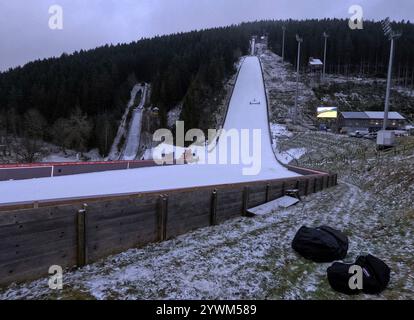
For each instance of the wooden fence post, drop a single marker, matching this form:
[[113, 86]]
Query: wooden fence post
[[82, 256], [283, 189], [213, 211], [245, 200], [267, 192], [314, 185], [162, 217], [307, 187]]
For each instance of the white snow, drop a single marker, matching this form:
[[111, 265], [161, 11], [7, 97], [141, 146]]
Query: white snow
[[292, 154], [241, 115], [174, 115], [273, 206], [134, 133], [114, 153]]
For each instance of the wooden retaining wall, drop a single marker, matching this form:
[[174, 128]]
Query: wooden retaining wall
[[73, 234]]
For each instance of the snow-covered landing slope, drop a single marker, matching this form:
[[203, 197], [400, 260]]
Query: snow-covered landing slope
[[114, 153], [241, 115], [134, 133]]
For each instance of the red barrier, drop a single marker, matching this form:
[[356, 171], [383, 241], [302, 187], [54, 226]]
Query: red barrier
[[45, 170], [51, 164]]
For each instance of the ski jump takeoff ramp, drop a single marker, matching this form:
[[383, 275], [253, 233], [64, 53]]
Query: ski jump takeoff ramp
[[71, 221]]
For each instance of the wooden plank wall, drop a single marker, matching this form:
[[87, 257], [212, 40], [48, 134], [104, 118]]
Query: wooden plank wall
[[32, 240]]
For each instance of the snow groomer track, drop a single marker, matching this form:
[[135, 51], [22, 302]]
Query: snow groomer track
[[78, 219]]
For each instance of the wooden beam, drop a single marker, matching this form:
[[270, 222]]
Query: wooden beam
[[267, 192], [246, 191], [82, 237], [162, 217], [213, 217]]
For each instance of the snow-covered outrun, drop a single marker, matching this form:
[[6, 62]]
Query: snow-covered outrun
[[242, 114]]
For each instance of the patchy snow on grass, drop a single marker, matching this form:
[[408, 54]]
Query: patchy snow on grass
[[248, 258], [73, 156], [290, 155], [174, 115], [279, 130]]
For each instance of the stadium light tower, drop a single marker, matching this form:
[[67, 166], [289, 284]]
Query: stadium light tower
[[392, 36], [299, 40], [283, 43], [326, 36]]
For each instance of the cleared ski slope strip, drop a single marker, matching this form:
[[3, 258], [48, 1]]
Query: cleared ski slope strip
[[241, 115], [115, 154], [134, 133]]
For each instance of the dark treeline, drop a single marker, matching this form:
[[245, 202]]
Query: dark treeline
[[349, 51], [77, 100]]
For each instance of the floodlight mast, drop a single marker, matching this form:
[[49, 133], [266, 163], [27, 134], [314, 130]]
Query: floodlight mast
[[326, 36], [283, 43], [392, 36], [299, 40]]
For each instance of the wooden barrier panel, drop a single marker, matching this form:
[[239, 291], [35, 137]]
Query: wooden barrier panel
[[188, 211], [28, 173], [229, 203], [257, 195], [32, 240], [115, 226]]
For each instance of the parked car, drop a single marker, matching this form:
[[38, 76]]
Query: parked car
[[371, 136], [358, 134]]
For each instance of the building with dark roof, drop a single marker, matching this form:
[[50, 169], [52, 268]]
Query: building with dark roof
[[369, 121]]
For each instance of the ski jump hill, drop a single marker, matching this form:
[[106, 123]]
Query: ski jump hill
[[242, 114], [71, 221]]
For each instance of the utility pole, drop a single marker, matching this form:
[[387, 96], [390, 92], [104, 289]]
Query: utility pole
[[299, 40], [283, 43], [392, 36], [326, 36]]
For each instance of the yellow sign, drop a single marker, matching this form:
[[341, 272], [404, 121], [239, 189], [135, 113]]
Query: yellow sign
[[327, 113]]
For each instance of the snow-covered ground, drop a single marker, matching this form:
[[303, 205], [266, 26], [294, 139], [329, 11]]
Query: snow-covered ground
[[252, 258], [280, 80], [174, 115], [241, 115], [248, 258], [73, 156], [134, 133]]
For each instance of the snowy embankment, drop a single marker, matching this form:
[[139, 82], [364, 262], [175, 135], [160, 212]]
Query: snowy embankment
[[134, 133], [115, 152], [241, 115], [248, 258]]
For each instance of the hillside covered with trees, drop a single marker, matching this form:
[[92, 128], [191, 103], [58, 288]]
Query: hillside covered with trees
[[77, 100]]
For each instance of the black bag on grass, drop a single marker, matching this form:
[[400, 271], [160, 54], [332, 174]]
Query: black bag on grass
[[322, 244], [339, 276], [376, 274]]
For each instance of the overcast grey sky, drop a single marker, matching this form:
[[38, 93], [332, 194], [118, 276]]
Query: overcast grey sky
[[25, 35]]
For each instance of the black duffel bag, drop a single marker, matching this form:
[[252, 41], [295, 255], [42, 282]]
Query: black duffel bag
[[322, 244], [375, 276]]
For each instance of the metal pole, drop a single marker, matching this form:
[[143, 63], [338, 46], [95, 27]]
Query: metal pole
[[283, 44], [297, 85], [324, 57], [387, 96]]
